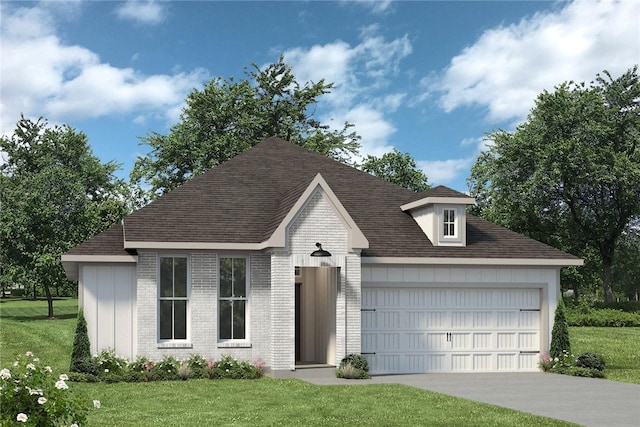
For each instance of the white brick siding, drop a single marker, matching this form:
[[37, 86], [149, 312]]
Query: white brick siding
[[271, 304], [203, 306]]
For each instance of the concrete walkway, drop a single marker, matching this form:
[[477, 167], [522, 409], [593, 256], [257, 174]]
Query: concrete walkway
[[585, 401]]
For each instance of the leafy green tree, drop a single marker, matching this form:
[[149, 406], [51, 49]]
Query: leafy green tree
[[227, 117], [397, 168], [54, 194], [570, 175], [560, 342], [626, 266]]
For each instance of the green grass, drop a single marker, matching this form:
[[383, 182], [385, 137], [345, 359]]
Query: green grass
[[269, 402], [620, 348], [24, 326]]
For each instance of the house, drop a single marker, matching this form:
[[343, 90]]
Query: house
[[227, 265]]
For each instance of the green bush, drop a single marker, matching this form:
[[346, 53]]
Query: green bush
[[604, 317], [109, 363], [197, 365], [627, 306], [81, 352], [31, 394], [358, 361], [560, 343], [18, 292], [353, 366], [348, 371], [84, 366], [591, 361]]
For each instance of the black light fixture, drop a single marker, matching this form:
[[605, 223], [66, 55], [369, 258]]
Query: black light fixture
[[320, 251]]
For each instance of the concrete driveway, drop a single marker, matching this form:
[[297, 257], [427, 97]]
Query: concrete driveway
[[585, 401]]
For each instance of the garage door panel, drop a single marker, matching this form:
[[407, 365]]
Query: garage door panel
[[529, 319], [528, 341], [483, 341], [483, 362], [461, 362], [461, 341], [507, 340], [421, 330]]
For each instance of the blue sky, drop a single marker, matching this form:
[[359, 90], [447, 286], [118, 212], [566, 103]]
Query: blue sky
[[428, 78]]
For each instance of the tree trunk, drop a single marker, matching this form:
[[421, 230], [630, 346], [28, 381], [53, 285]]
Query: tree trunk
[[607, 276], [47, 291]]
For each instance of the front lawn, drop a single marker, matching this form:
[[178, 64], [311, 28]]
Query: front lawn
[[24, 326], [620, 348], [269, 402]]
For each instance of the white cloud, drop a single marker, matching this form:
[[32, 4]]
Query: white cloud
[[507, 67], [359, 74], [441, 172], [377, 7], [143, 12], [372, 127], [43, 76]]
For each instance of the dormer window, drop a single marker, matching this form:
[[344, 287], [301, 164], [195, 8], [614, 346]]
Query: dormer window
[[442, 216], [449, 223]]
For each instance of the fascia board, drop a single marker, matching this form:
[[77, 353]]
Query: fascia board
[[557, 262], [438, 200]]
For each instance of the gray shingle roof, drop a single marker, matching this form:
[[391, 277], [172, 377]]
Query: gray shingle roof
[[246, 198]]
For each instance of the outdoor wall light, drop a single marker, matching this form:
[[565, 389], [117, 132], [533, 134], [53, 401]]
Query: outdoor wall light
[[320, 251]]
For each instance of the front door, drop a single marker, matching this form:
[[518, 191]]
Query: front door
[[315, 315]]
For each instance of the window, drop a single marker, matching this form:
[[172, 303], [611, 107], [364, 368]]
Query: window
[[232, 299], [173, 298], [449, 223]]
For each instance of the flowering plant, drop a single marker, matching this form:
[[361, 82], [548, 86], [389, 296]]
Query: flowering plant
[[30, 394]]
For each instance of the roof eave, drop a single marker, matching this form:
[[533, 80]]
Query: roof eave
[[534, 262]]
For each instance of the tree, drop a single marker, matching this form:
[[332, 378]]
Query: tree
[[54, 194], [81, 352], [397, 168], [226, 117], [626, 266], [569, 175], [560, 342]]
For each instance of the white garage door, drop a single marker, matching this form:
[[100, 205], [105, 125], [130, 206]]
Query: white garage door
[[414, 330]]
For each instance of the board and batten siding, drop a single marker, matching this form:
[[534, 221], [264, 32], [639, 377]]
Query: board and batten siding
[[107, 295]]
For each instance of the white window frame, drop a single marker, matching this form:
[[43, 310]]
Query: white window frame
[[447, 224], [174, 298], [246, 299]]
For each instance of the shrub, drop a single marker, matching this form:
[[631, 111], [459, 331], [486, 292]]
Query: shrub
[[560, 333], [109, 363], [567, 364], [84, 366], [349, 371], [353, 366], [81, 353], [166, 369], [184, 371], [591, 361], [358, 361], [604, 317], [197, 366], [30, 393]]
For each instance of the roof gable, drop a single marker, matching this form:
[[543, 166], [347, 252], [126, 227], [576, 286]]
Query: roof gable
[[357, 239]]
